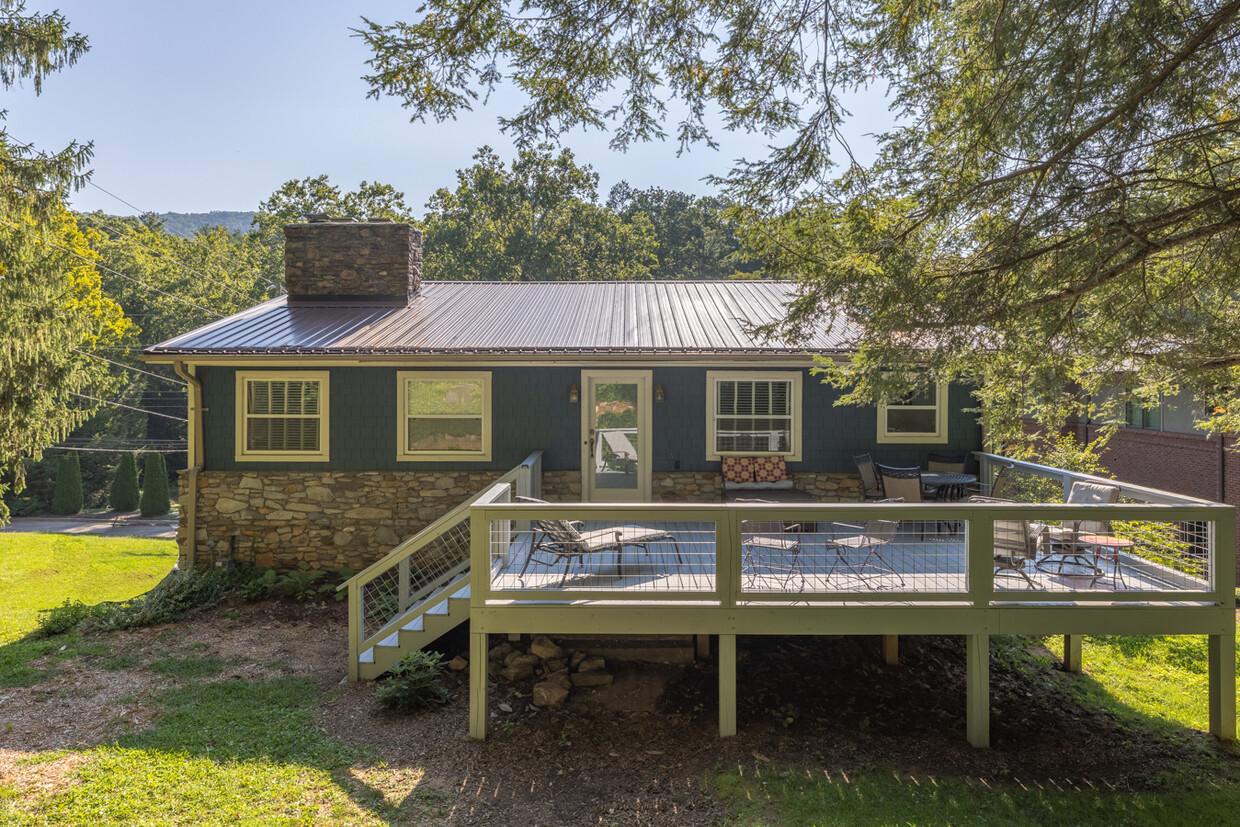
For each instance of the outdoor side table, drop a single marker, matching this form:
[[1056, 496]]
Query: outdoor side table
[[1108, 546]]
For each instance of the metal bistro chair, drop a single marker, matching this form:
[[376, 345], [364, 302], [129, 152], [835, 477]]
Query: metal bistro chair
[[946, 463], [873, 537], [871, 485], [564, 540], [771, 545], [903, 485]]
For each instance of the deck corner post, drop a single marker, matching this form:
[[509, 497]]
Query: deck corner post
[[977, 721], [891, 650], [727, 686], [478, 685], [1072, 653], [1222, 656], [355, 632]]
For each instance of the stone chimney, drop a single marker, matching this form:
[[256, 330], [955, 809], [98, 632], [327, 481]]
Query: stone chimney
[[341, 260]]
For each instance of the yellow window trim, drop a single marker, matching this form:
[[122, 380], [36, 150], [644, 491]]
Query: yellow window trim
[[403, 377], [322, 377], [794, 377], [940, 422]]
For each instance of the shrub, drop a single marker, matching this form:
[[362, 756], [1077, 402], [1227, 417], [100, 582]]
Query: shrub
[[123, 495], [155, 486], [415, 683], [261, 587], [65, 617], [67, 495], [177, 595]]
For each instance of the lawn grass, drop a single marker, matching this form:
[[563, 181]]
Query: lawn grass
[[41, 571]]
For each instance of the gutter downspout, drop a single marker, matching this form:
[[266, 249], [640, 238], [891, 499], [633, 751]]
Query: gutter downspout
[[190, 510]]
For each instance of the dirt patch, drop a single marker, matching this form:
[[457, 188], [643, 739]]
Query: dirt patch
[[629, 753]]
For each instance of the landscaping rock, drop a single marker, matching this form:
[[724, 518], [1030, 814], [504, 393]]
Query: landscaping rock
[[518, 671], [458, 664], [550, 693], [592, 664], [545, 649], [499, 652]]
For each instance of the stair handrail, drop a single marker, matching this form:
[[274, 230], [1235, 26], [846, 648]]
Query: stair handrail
[[526, 479]]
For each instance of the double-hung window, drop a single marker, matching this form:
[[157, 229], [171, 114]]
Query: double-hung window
[[753, 414], [444, 416], [918, 417], [282, 416]]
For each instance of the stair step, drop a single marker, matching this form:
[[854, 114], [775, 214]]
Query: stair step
[[414, 625]]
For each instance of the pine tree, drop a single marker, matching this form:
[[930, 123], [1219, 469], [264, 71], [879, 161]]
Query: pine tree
[[155, 486], [67, 495], [124, 493]]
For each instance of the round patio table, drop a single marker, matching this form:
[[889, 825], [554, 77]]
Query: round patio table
[[949, 483], [1108, 546]]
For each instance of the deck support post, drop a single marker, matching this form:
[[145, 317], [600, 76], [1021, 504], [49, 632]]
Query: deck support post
[[1072, 653], [478, 685], [1222, 657], [703, 646], [891, 649], [977, 720], [727, 686]]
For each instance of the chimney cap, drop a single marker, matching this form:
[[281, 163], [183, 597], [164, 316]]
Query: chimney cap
[[323, 218]]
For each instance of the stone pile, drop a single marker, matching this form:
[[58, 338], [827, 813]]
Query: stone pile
[[555, 672]]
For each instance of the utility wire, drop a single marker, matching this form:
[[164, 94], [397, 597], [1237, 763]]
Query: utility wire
[[129, 407], [115, 450], [180, 299], [135, 370]]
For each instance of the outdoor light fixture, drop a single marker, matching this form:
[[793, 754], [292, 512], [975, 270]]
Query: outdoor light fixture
[[658, 393], [574, 395]]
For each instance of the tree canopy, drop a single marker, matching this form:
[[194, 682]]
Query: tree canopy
[[1054, 210], [52, 310]]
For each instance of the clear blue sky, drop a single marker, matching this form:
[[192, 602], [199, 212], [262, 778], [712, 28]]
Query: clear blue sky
[[195, 107]]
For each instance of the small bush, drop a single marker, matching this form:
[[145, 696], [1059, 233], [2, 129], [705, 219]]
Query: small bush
[[300, 584], [123, 495], [177, 595], [155, 501], [261, 587], [65, 617], [67, 495], [415, 683]]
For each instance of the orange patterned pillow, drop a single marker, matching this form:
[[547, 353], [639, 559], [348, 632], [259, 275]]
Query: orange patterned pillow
[[738, 469], [769, 469]]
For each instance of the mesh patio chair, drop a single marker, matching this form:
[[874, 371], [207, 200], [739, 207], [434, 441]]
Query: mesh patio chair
[[947, 463], [903, 485], [871, 485], [1016, 542], [770, 546], [1064, 541], [998, 486], [874, 536], [564, 541]]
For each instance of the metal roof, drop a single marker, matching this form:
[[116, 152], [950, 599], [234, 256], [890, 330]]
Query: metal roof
[[666, 318]]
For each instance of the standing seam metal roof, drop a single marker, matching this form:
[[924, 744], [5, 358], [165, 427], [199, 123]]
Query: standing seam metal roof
[[545, 318]]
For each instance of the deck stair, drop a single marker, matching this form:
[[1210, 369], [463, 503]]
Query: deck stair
[[439, 613], [419, 591]]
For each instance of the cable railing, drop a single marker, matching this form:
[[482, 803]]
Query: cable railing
[[421, 568]]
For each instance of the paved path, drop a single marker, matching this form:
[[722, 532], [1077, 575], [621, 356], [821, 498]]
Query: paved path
[[129, 527]]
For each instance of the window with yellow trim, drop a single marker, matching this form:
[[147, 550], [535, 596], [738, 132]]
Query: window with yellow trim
[[753, 414], [282, 416], [445, 415], [918, 417]]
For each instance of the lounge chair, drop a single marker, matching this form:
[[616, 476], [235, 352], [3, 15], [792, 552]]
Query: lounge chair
[[1064, 542], [564, 540], [1016, 543]]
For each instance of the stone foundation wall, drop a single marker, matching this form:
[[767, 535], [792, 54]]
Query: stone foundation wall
[[561, 486], [325, 519], [831, 488], [687, 486]]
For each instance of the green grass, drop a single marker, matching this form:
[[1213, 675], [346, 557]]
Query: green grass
[[41, 571], [874, 797]]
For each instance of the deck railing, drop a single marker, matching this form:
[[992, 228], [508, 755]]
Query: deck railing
[[428, 561], [738, 555]]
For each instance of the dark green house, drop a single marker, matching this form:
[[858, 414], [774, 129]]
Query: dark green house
[[329, 424]]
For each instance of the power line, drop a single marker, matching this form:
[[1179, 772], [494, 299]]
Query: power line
[[116, 450], [130, 407], [180, 299], [135, 370]]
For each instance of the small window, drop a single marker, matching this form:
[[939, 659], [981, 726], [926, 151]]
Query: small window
[[445, 416], [1137, 415], [753, 414], [282, 416], [920, 417]]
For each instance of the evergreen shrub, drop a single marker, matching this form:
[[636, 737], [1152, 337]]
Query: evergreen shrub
[[124, 493], [67, 495], [155, 486]]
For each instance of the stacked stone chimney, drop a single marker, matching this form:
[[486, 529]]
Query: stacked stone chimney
[[342, 260]]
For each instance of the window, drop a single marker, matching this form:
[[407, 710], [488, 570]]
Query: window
[[444, 415], [752, 414], [1137, 415], [921, 417], [282, 416]]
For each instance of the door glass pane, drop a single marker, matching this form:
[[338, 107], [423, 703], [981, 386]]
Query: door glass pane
[[616, 442]]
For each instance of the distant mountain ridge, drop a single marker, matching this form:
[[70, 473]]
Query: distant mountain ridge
[[187, 223]]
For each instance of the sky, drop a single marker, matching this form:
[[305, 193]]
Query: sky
[[196, 107]]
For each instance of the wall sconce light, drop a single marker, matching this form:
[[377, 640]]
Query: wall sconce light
[[659, 396], [574, 395]]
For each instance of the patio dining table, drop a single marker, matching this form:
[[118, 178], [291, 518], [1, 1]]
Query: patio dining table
[[949, 483]]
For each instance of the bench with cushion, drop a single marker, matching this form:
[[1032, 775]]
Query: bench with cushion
[[760, 478]]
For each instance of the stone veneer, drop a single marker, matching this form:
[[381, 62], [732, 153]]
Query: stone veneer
[[375, 260], [325, 519], [328, 519]]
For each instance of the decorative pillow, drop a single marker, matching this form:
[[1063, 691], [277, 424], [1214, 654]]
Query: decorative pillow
[[769, 469], [738, 469]]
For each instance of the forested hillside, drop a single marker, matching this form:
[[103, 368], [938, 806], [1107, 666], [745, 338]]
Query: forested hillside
[[185, 224]]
